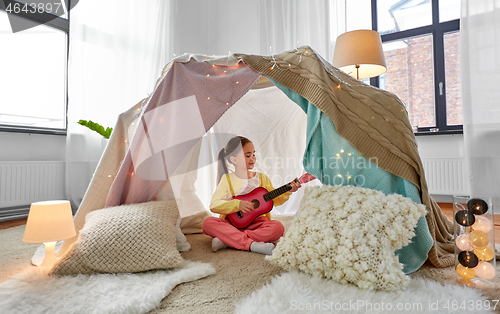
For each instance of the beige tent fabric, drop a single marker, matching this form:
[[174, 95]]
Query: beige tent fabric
[[372, 120], [108, 167]]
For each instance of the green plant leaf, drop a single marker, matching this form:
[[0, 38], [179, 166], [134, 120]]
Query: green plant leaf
[[106, 133]]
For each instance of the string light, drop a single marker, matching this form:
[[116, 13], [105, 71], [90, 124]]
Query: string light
[[297, 49], [474, 244], [272, 56]]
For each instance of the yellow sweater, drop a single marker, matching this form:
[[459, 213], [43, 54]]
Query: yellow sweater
[[221, 205]]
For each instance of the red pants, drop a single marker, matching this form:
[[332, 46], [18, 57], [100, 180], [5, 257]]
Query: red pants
[[260, 230]]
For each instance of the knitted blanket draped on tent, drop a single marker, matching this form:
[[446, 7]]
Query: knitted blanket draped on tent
[[373, 121]]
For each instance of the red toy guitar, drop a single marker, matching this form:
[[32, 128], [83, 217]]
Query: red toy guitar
[[262, 201]]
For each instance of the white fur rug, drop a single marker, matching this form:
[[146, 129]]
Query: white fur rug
[[295, 292], [33, 291]]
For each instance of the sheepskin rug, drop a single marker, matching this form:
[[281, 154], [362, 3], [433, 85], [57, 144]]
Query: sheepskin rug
[[33, 291], [349, 234], [296, 292]]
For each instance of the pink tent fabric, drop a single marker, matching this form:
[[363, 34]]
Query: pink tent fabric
[[186, 104]]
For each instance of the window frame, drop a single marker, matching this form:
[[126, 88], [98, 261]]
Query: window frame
[[437, 30], [60, 24]]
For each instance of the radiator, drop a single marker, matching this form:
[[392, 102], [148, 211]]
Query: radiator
[[446, 176], [25, 182]]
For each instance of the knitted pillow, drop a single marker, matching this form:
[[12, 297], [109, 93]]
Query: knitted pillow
[[349, 234], [127, 238]]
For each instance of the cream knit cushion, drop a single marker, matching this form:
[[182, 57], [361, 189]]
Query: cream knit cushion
[[127, 238], [350, 234]]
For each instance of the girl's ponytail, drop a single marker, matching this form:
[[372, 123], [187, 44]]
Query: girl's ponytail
[[221, 165]]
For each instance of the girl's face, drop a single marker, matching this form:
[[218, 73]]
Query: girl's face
[[245, 158]]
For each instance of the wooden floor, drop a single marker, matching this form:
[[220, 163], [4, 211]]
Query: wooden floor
[[12, 223], [447, 209]]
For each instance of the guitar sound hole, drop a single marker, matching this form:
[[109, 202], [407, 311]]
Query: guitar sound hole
[[255, 203]]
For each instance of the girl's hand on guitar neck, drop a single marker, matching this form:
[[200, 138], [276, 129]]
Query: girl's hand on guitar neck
[[246, 206], [295, 185]]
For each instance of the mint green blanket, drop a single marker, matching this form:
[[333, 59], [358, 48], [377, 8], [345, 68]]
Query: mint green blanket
[[334, 161]]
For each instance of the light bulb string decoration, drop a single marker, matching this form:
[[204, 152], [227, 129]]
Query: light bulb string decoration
[[219, 71], [300, 51], [297, 51], [476, 252]]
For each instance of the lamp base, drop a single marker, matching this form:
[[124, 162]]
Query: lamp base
[[50, 255]]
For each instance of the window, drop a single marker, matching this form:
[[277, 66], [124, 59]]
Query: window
[[33, 97], [421, 46]]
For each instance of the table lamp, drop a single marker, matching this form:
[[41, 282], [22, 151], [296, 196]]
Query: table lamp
[[359, 53], [49, 222]]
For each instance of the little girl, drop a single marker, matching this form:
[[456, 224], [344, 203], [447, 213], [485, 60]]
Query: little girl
[[260, 234]]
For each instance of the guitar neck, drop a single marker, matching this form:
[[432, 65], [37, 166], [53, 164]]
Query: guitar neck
[[306, 177], [275, 193]]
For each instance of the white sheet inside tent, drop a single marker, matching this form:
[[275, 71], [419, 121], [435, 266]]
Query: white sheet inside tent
[[276, 126]]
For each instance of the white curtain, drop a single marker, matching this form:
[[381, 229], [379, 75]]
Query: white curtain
[[259, 27], [117, 51], [480, 66]]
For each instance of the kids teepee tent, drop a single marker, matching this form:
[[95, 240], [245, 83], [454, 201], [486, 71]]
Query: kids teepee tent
[[342, 130]]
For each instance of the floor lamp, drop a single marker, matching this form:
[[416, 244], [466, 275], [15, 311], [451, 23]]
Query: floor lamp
[[359, 53]]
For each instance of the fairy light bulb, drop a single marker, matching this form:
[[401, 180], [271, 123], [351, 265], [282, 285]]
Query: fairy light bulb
[[468, 259], [482, 223], [479, 238], [485, 271], [477, 206], [485, 254], [465, 273], [465, 218], [463, 242]]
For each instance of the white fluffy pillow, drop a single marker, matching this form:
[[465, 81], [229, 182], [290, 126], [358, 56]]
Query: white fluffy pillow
[[127, 238], [350, 234]]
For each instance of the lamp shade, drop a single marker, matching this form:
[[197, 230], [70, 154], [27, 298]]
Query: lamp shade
[[49, 221], [359, 53]]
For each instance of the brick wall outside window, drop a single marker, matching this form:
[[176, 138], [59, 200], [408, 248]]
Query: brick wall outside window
[[410, 75]]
